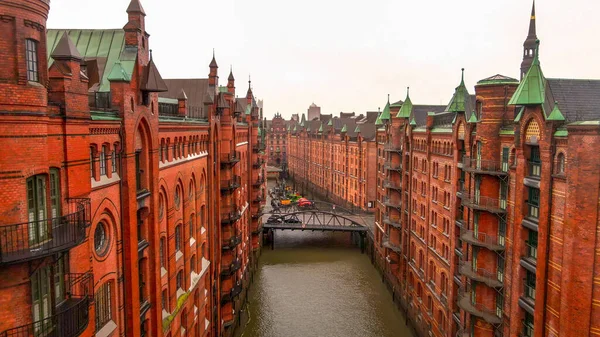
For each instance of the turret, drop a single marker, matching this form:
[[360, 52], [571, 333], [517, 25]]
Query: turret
[[213, 78], [529, 45]]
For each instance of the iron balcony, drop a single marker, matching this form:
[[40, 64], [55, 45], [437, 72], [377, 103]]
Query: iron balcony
[[490, 167], [388, 183], [392, 246], [228, 296], [258, 182], [390, 147], [492, 205], [230, 159], [256, 148], [230, 269], [231, 242], [230, 217], [477, 309], [481, 240], [53, 235], [230, 185], [392, 167], [72, 315], [259, 198], [479, 274], [392, 222], [258, 163], [391, 203]]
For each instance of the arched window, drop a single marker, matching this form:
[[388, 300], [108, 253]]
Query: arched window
[[178, 238], [560, 164]]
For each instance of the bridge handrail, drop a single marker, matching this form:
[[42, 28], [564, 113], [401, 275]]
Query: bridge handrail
[[283, 216]]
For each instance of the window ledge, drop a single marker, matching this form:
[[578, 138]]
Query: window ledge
[[178, 255], [165, 314], [180, 292], [107, 329], [105, 180], [163, 271], [192, 242]]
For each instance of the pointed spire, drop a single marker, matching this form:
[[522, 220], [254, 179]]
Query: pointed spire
[[357, 130], [532, 28], [344, 129], [532, 90], [407, 106], [461, 96], [231, 78], [330, 123], [556, 114], [182, 95], [135, 7], [65, 49], [321, 128], [118, 73], [378, 121], [473, 118], [249, 93], [213, 63], [385, 115], [413, 122]]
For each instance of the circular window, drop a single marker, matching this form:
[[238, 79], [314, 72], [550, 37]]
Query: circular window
[[101, 239]]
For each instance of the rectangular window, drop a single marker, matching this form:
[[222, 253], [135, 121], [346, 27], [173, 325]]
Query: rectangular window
[[178, 238], [41, 300], [532, 244], [138, 172], [534, 202], [92, 167], [36, 204], [499, 304], [505, 156], [54, 193], [528, 325], [103, 306], [530, 286], [113, 159], [102, 162], [535, 167], [31, 57]]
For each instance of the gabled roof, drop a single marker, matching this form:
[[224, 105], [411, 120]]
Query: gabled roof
[[420, 112], [240, 105], [579, 99], [556, 115], [195, 89], [98, 47]]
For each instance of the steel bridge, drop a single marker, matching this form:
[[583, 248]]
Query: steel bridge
[[320, 216]]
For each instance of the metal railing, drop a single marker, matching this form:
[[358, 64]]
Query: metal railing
[[484, 166], [230, 158], [483, 203], [231, 242], [392, 167], [229, 269], [388, 183], [231, 216], [390, 147], [258, 182], [99, 101], [465, 301], [481, 239], [168, 109], [72, 316], [36, 239], [479, 274], [391, 203], [392, 222], [231, 184]]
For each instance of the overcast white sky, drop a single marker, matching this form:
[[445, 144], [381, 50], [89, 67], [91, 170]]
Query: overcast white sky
[[348, 55]]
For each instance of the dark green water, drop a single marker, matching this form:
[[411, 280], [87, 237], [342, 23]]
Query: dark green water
[[318, 284]]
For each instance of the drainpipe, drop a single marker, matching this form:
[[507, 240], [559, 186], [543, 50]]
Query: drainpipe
[[121, 152], [552, 153]]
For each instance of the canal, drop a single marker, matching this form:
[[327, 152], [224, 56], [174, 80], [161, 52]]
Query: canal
[[319, 284]]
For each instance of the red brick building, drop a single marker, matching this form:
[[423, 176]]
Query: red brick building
[[487, 207], [134, 209], [276, 142], [334, 158]]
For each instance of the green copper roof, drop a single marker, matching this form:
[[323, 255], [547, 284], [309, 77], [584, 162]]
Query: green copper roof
[[498, 79], [295, 129], [330, 123], [118, 74], [248, 109], [556, 115], [457, 104], [413, 122], [308, 128], [532, 89], [321, 128], [106, 46], [561, 133], [385, 114], [473, 118], [406, 108], [520, 114], [222, 88], [378, 121], [259, 132], [357, 130], [345, 128], [504, 132]]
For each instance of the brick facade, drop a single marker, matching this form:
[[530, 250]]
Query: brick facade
[[276, 142], [129, 211]]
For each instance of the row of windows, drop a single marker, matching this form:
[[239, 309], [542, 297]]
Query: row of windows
[[99, 160], [193, 144]]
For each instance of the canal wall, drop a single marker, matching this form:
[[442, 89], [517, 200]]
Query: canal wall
[[413, 320]]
